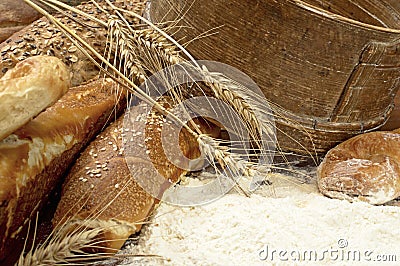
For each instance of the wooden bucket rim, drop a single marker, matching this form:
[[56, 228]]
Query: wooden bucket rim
[[330, 15]]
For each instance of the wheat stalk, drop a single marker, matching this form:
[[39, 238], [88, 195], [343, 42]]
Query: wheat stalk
[[154, 46], [222, 87], [59, 247], [131, 53], [154, 43]]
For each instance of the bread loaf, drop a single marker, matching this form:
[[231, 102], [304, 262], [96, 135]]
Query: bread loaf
[[15, 15], [365, 167], [35, 157], [43, 38], [28, 89], [100, 189]]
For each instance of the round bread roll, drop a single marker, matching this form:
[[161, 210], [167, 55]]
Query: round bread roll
[[366, 167], [28, 89]]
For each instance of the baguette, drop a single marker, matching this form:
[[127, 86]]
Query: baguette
[[101, 191], [28, 89], [34, 158], [43, 38]]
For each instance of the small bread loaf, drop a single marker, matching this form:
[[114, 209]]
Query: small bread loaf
[[28, 89], [35, 157], [366, 167], [100, 189], [43, 38]]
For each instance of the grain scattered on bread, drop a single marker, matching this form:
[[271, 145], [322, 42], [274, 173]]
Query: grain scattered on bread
[[122, 174]]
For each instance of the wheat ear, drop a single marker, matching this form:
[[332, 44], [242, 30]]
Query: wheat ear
[[59, 247], [153, 43], [222, 87], [140, 41]]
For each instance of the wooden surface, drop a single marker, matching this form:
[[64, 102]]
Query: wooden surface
[[333, 76], [394, 119]]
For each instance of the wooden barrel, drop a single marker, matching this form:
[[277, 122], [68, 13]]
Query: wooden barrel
[[332, 66], [394, 119]]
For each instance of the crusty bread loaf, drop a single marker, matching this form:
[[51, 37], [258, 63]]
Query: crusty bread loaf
[[366, 167], [28, 89], [34, 158], [100, 189], [43, 38]]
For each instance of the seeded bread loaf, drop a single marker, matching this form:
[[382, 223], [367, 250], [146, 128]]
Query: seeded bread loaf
[[15, 15], [101, 190]]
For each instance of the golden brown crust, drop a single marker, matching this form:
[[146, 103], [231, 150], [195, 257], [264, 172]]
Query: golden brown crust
[[366, 167], [99, 177], [28, 89], [102, 190], [43, 38], [34, 158]]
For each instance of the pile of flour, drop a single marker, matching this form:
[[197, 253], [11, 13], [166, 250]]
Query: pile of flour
[[285, 224]]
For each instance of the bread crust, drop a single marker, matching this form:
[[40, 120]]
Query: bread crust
[[28, 89], [35, 157], [365, 167], [101, 190]]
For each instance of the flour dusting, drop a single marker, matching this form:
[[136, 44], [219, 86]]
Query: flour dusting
[[293, 224]]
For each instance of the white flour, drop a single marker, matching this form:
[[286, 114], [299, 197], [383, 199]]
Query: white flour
[[295, 223]]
